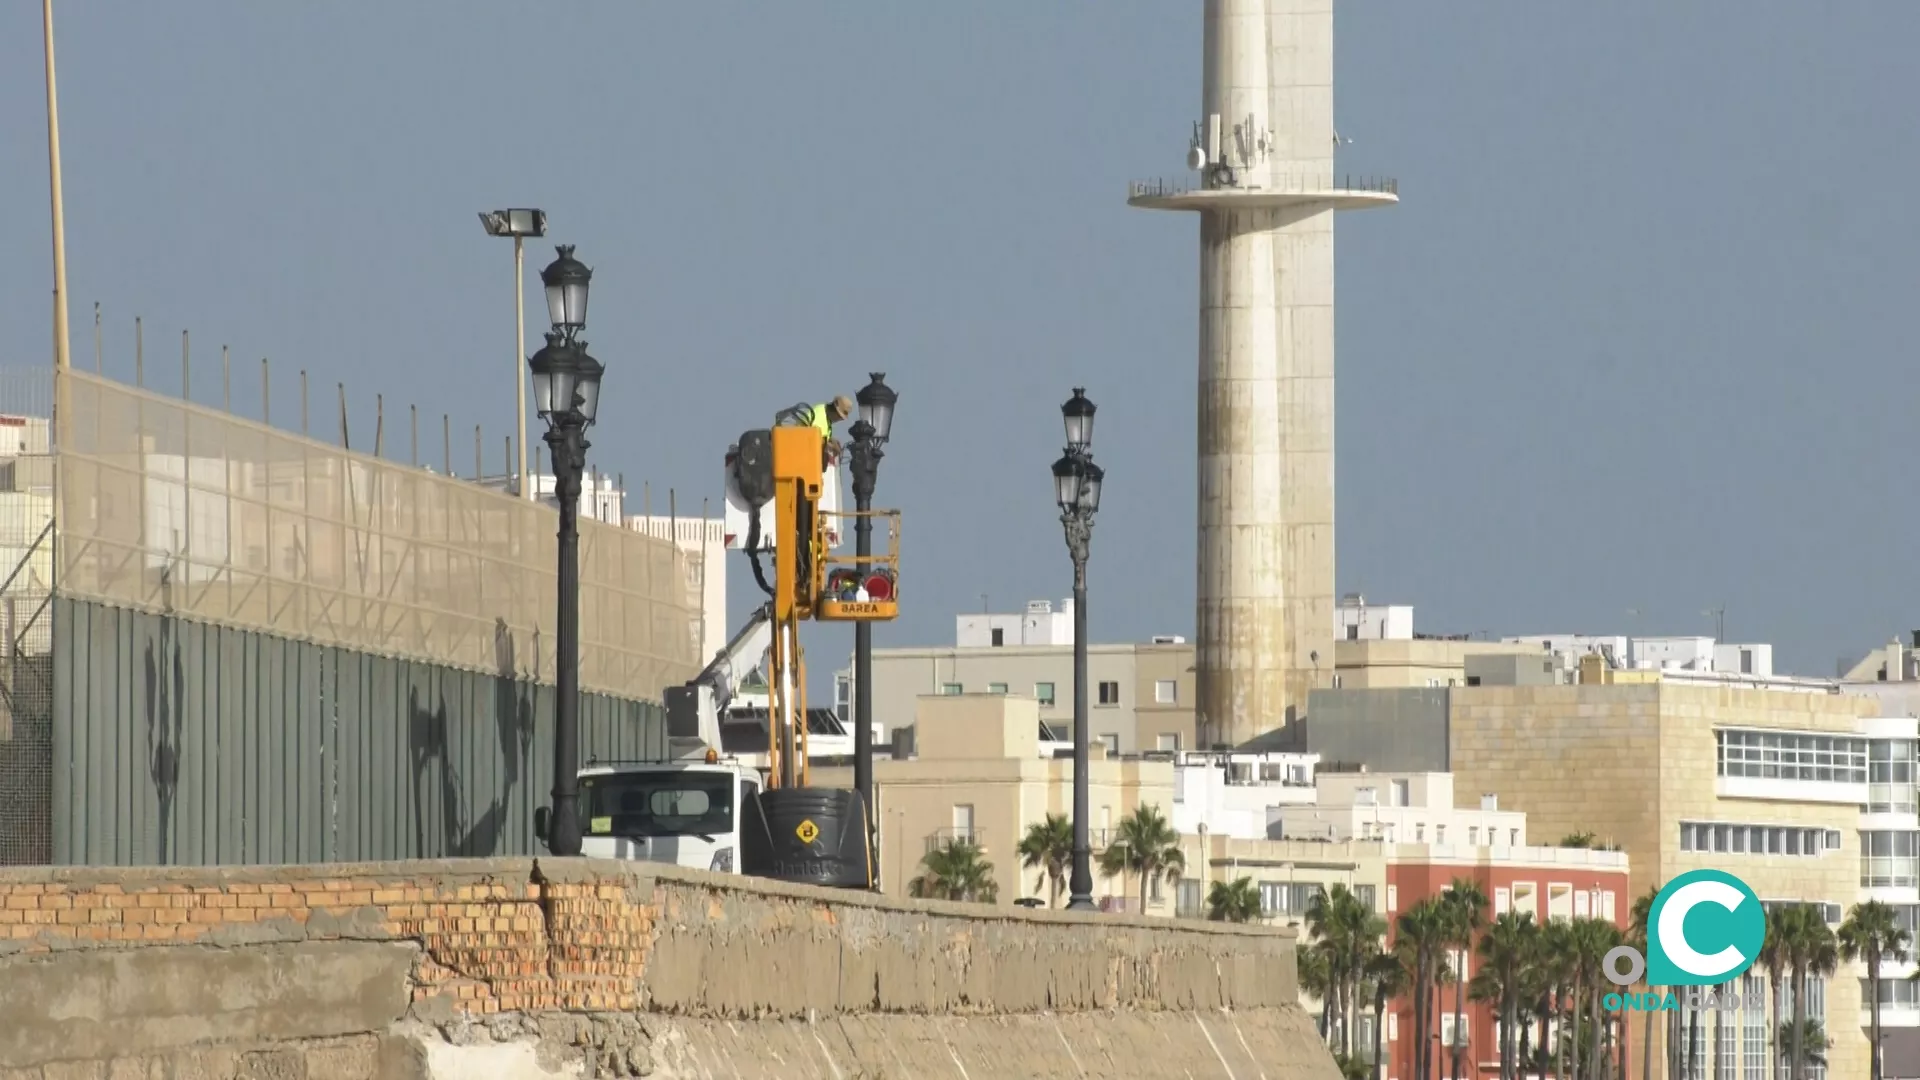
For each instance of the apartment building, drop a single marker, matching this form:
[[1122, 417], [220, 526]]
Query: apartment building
[[1765, 784], [983, 774], [1141, 692]]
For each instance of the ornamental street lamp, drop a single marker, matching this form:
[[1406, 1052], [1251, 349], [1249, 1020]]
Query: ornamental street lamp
[[1076, 489], [869, 434], [566, 392]]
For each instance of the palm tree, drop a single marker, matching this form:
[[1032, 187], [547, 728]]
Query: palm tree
[[1506, 949], [1311, 966], [1773, 956], [1811, 953], [1420, 935], [1387, 977], [956, 870], [1589, 941], [1145, 844], [1872, 933], [1812, 1040], [1237, 901], [1346, 932], [1048, 848], [1467, 905], [1637, 937]]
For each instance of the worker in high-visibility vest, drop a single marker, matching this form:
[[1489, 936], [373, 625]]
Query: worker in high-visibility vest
[[821, 417]]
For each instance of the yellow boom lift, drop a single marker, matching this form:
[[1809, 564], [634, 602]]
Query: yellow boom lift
[[816, 835]]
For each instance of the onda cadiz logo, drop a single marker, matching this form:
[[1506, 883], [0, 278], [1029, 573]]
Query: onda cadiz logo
[[1705, 928]]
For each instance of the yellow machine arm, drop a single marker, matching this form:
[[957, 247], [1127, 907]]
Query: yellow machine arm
[[811, 582]]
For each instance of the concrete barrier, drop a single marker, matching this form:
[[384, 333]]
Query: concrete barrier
[[512, 968]]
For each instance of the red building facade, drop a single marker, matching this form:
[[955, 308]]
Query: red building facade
[[1547, 882]]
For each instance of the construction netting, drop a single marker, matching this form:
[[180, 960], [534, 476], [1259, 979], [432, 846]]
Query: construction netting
[[26, 589], [166, 506]]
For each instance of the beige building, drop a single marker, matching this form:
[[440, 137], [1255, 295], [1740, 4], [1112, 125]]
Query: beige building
[[1660, 768], [980, 776], [1142, 694]]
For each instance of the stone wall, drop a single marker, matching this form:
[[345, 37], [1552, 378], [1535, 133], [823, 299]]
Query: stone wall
[[534, 968]]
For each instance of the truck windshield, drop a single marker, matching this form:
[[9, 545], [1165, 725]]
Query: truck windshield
[[674, 803]]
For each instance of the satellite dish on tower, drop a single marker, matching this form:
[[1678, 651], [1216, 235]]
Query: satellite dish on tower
[[1196, 158]]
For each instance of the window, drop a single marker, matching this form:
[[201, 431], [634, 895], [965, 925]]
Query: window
[[1524, 901], [1153, 889], [1737, 839], [1353, 631], [1774, 755], [1513, 837], [1113, 744], [1559, 900], [1473, 836], [1439, 834], [951, 689], [1454, 1029], [1400, 793], [1167, 741], [1336, 682], [1746, 661], [999, 637], [1188, 902], [1502, 901], [1296, 897], [658, 804], [1888, 859], [1890, 776], [1043, 692], [843, 698], [996, 688], [1365, 894], [1894, 993], [1393, 898], [1419, 832], [963, 821], [1166, 692], [1109, 693]]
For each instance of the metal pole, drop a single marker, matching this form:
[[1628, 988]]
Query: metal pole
[[96, 337], [1079, 528], [866, 469], [567, 439], [60, 343], [520, 362]]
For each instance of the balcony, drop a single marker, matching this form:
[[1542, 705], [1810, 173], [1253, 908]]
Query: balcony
[[955, 834], [1346, 191]]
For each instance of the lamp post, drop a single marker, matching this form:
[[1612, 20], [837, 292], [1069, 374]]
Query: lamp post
[[869, 435], [566, 391], [518, 224], [1076, 488]]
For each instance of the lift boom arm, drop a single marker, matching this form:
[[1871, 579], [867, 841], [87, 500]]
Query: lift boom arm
[[694, 709]]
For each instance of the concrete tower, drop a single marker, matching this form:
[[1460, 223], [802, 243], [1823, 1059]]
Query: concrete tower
[[1266, 193]]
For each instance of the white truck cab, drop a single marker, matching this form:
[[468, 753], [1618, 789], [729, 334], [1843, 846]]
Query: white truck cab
[[687, 813]]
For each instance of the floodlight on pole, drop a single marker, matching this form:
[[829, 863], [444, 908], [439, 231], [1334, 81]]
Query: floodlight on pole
[[519, 224]]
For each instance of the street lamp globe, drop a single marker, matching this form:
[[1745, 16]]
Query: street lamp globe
[[1068, 474], [1078, 413], [565, 379], [1090, 487], [876, 400], [566, 279]]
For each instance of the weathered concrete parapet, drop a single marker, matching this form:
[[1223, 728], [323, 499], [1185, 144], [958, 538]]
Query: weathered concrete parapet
[[580, 967]]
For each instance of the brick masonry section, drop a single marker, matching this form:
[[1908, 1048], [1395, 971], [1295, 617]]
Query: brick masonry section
[[136, 967], [487, 942]]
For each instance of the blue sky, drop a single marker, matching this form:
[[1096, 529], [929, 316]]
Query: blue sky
[[1637, 339]]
